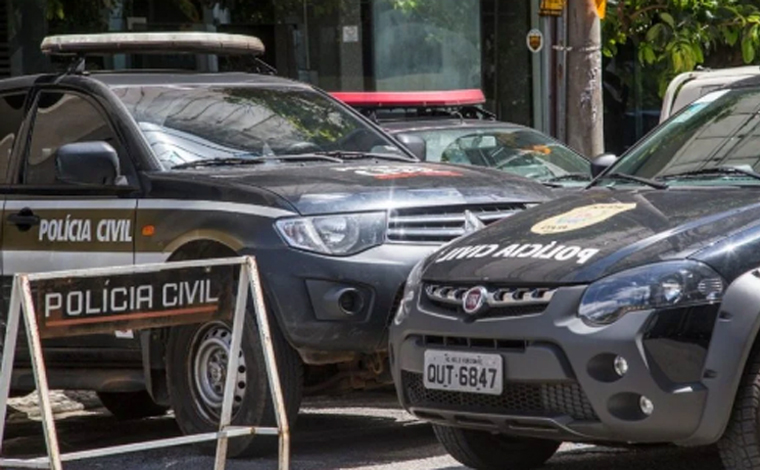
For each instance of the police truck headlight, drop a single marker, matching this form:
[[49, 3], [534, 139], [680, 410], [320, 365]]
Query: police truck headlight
[[337, 235], [663, 285], [412, 287]]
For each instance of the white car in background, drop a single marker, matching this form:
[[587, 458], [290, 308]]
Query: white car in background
[[689, 87]]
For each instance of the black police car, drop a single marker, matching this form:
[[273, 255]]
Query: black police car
[[452, 127], [627, 313], [189, 166]]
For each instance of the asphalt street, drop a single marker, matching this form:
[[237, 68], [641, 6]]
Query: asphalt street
[[360, 432]]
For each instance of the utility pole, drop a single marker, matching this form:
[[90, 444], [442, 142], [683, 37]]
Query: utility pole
[[585, 110]]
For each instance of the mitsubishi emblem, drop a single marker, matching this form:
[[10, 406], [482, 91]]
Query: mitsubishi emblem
[[471, 222]]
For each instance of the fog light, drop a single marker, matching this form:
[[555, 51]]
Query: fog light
[[350, 302], [621, 366], [647, 407]]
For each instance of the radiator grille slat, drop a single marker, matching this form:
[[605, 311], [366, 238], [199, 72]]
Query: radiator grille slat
[[443, 224], [534, 400], [499, 301]]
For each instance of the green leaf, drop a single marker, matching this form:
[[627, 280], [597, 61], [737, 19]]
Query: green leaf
[[655, 32], [748, 50], [677, 60], [731, 36], [668, 18], [698, 52]]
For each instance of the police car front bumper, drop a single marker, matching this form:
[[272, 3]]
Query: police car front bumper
[[559, 376], [331, 308]]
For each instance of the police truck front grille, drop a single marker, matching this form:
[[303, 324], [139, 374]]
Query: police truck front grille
[[442, 224], [517, 399], [500, 301]]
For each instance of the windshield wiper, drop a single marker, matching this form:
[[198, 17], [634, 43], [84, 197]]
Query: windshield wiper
[[571, 177], [233, 161], [345, 155], [719, 170], [635, 179]]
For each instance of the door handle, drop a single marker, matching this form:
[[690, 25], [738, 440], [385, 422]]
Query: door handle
[[24, 219]]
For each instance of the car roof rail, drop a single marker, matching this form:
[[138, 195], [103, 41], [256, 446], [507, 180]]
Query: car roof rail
[[82, 45]]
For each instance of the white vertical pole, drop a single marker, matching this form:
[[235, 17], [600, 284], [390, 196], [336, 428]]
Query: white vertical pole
[[232, 366], [536, 72], [40, 374], [271, 363], [9, 353], [560, 72], [547, 91]]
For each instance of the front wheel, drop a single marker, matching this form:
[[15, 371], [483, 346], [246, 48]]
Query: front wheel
[[197, 370], [740, 445], [483, 450]]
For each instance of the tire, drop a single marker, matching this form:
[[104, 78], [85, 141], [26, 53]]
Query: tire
[[483, 450], [196, 400], [740, 445], [131, 405]]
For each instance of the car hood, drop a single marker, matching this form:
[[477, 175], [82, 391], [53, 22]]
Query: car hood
[[367, 186], [590, 234]]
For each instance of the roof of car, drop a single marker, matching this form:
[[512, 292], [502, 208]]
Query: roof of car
[[152, 78], [746, 82], [418, 125]]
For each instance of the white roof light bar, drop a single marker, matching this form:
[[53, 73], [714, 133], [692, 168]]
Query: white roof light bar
[[152, 43]]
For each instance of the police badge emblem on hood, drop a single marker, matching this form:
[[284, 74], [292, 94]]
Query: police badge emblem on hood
[[595, 233]]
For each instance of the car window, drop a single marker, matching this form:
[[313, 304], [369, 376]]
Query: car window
[[11, 116], [185, 124], [62, 118], [720, 130], [516, 150]]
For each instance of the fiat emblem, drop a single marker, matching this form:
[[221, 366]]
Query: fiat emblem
[[474, 299]]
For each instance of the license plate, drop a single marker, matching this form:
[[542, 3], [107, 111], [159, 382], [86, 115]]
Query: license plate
[[464, 372]]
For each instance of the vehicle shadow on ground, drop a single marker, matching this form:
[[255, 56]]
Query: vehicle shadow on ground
[[602, 458], [324, 440], [648, 458]]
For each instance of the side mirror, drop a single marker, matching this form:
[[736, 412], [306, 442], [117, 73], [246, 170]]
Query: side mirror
[[415, 144], [87, 163], [601, 163]]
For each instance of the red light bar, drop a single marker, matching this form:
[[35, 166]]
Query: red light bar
[[410, 99]]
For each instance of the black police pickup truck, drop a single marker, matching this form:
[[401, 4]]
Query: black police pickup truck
[[626, 313], [190, 166]]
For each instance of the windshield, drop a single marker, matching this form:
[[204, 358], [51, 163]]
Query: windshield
[[187, 124], [516, 150], [715, 140]]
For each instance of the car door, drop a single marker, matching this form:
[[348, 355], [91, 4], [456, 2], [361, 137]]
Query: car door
[[12, 112], [50, 225]]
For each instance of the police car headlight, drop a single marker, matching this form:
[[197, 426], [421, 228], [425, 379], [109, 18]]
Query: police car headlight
[[663, 285], [339, 235], [412, 287]]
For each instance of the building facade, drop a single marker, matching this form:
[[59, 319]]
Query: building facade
[[348, 45]]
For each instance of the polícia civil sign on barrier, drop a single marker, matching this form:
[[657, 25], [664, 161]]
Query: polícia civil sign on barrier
[[105, 300], [91, 305]]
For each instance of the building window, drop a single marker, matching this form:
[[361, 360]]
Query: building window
[[426, 45]]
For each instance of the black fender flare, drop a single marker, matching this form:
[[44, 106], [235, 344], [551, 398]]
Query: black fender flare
[[733, 339], [153, 342]]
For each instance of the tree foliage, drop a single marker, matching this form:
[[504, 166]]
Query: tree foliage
[[676, 36], [90, 15]]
